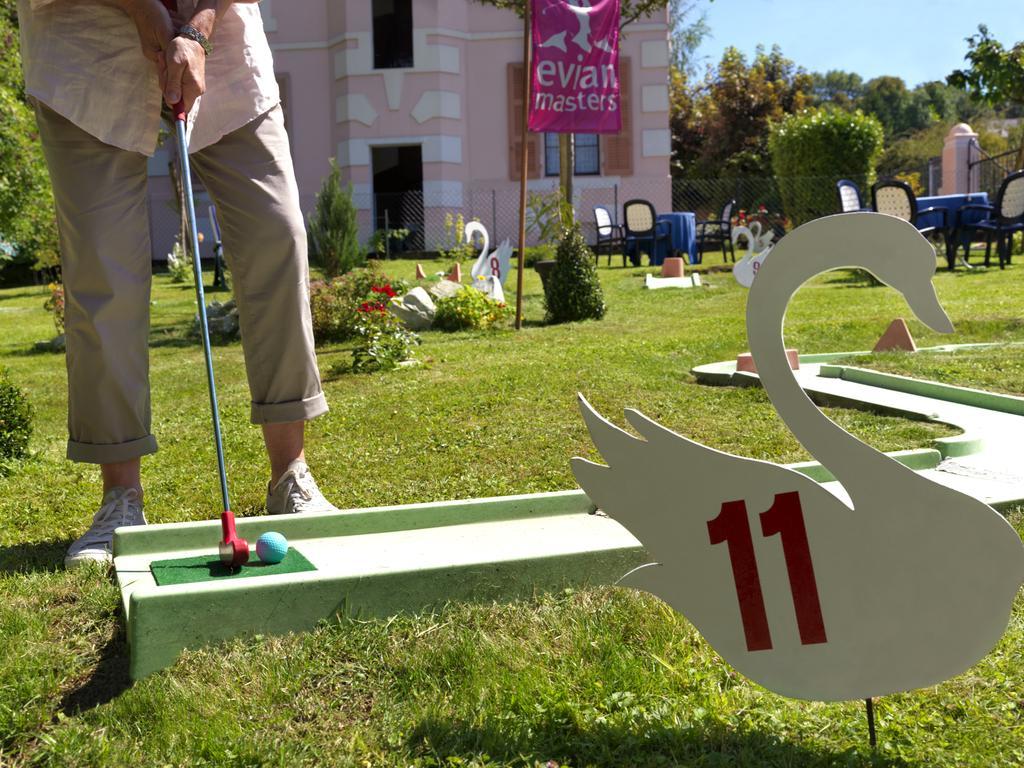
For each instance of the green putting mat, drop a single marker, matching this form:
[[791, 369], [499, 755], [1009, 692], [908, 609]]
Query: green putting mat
[[190, 570]]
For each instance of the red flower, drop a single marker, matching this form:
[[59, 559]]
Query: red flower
[[369, 307], [386, 289]]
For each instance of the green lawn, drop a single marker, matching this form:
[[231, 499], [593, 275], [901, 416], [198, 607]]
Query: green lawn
[[595, 677]]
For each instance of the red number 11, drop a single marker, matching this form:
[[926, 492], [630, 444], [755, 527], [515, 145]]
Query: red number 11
[[786, 518]]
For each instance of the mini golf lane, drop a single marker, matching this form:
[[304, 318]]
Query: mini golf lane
[[986, 461], [366, 562], [381, 561]]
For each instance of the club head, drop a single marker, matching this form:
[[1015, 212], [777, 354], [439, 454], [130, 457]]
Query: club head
[[234, 553]]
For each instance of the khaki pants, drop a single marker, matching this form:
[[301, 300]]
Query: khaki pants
[[100, 194]]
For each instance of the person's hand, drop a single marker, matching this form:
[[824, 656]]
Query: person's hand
[[153, 23], [183, 74]]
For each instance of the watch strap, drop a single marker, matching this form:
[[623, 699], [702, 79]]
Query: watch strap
[[192, 33]]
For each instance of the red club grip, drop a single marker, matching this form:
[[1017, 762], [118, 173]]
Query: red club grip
[[179, 108]]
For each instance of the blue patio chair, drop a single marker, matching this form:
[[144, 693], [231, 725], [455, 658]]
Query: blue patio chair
[[642, 226], [1005, 217], [609, 236], [717, 232], [850, 200], [896, 198]]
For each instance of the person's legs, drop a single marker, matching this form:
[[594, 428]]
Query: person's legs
[[249, 175], [285, 444], [100, 197]]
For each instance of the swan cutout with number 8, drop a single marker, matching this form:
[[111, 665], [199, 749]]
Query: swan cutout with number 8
[[905, 586]]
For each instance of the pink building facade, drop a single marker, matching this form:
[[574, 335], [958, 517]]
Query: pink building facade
[[419, 102]]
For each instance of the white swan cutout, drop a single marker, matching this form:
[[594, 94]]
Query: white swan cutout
[[487, 265], [758, 246], [908, 585]]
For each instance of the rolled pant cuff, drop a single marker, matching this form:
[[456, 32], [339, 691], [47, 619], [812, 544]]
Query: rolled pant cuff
[[111, 453], [295, 410]]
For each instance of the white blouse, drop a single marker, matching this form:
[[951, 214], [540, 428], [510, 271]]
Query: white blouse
[[83, 60]]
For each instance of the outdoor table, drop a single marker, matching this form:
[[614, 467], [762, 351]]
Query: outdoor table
[[683, 236], [681, 228], [954, 218]]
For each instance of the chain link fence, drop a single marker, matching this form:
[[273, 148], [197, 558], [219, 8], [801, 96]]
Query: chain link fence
[[430, 216]]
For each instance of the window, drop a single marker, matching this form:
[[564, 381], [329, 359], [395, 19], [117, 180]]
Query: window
[[392, 34], [587, 150]]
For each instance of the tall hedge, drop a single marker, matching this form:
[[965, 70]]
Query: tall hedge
[[813, 149]]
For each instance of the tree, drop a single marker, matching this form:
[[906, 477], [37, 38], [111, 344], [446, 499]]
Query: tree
[[843, 89], [995, 75], [901, 111], [333, 228], [686, 34], [736, 105], [27, 221]]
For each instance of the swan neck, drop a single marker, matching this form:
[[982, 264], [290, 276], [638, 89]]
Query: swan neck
[[769, 297]]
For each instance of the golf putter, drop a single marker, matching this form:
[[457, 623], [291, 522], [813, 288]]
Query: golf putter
[[234, 551]]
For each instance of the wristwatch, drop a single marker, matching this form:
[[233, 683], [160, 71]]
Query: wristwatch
[[194, 34]]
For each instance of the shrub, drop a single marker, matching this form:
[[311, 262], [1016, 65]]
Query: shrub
[[179, 264], [544, 215], [469, 309], [813, 149], [15, 420], [572, 290], [333, 229], [380, 241], [535, 253], [383, 341], [55, 304], [455, 246], [335, 304]]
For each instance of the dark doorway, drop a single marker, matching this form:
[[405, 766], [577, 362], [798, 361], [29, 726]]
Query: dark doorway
[[398, 191]]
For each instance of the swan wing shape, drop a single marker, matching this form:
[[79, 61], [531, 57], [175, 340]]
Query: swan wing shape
[[793, 587]]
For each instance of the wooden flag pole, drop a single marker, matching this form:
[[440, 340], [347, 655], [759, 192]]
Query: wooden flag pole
[[524, 168]]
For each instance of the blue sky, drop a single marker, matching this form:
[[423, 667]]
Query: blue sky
[[918, 40]]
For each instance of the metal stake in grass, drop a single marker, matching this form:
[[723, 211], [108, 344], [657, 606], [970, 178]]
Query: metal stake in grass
[[872, 738], [234, 551]]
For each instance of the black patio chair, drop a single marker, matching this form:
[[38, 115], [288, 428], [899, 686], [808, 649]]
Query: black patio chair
[[717, 232], [1005, 217], [642, 225], [609, 236], [850, 200], [896, 198]]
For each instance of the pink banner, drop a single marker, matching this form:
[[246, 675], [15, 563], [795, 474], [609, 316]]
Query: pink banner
[[575, 66]]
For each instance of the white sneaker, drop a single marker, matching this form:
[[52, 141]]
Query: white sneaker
[[297, 491], [121, 506]]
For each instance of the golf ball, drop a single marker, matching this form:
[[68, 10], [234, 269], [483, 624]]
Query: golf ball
[[271, 547]]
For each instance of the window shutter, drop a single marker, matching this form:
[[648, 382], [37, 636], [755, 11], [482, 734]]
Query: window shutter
[[515, 126], [617, 148]]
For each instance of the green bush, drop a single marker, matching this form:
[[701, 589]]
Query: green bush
[[332, 228], [382, 340], [469, 309], [15, 420], [572, 290], [535, 253], [335, 304], [813, 149]]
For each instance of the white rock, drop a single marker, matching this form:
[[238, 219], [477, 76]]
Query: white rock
[[445, 289], [415, 309]]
